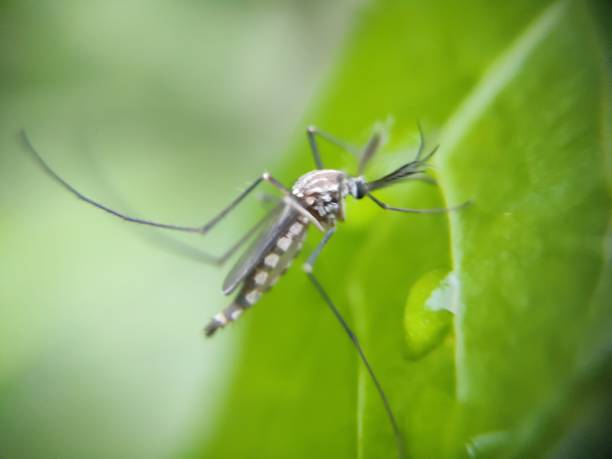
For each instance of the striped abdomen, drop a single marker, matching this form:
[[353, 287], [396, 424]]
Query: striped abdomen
[[265, 274]]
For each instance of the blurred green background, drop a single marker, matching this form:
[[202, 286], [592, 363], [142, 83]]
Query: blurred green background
[[489, 329], [165, 108]]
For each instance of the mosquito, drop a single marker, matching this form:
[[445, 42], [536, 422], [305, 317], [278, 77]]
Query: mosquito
[[316, 199]]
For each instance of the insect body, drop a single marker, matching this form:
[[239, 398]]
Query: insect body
[[316, 199], [321, 194]]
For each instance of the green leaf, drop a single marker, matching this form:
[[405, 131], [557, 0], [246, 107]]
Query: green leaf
[[518, 96]]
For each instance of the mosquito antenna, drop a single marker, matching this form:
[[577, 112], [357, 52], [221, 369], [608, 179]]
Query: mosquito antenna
[[422, 147], [406, 171], [191, 229], [429, 155], [421, 141]]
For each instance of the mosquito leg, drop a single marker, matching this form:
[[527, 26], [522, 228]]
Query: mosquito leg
[[441, 210], [308, 268], [368, 152], [220, 260], [317, 251], [191, 229], [180, 248], [312, 132], [166, 242]]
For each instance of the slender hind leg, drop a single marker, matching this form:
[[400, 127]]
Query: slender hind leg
[[191, 229], [289, 198], [308, 267], [178, 247]]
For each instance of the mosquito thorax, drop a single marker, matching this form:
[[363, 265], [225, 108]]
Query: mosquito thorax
[[322, 193]]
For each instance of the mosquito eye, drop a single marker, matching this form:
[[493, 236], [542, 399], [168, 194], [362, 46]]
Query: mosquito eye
[[360, 189]]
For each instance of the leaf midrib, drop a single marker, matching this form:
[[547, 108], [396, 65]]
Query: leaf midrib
[[499, 75]]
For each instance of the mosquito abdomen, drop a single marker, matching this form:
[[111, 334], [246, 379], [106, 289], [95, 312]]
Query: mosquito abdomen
[[229, 314], [272, 265]]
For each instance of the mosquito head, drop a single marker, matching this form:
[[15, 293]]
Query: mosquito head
[[357, 187]]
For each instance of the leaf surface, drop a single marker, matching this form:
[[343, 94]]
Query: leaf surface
[[518, 96]]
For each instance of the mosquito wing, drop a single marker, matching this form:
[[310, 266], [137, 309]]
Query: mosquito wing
[[280, 219]]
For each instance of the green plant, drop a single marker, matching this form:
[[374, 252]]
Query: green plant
[[518, 95]]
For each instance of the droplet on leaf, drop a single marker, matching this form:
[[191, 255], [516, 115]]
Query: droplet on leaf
[[428, 313]]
